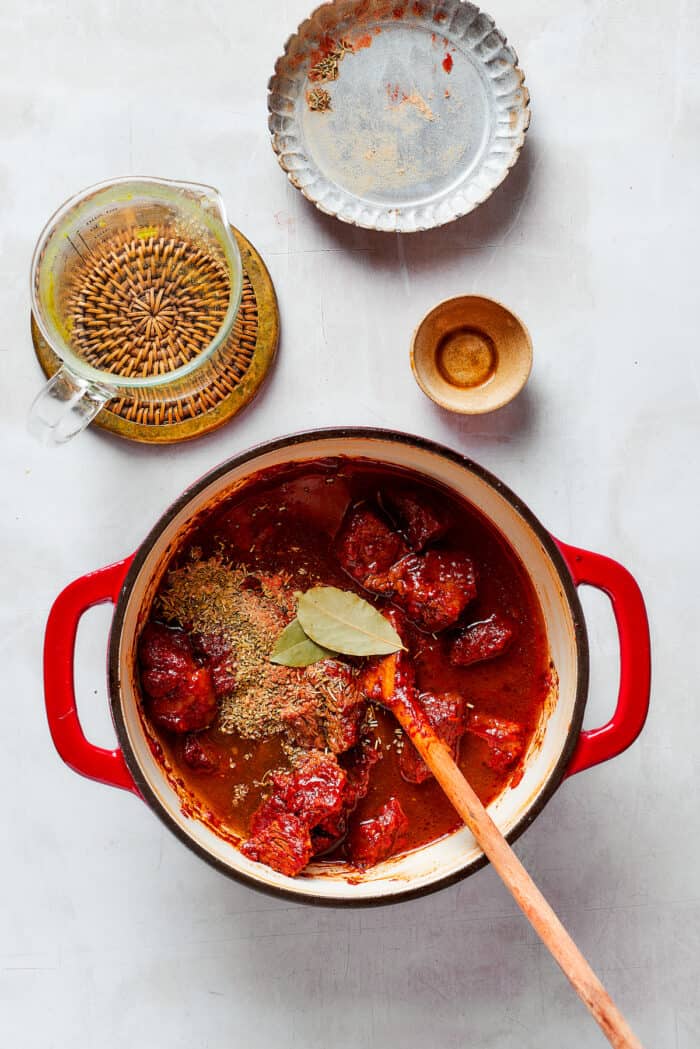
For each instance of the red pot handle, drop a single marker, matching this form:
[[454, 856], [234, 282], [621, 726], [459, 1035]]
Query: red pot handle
[[106, 766], [600, 744]]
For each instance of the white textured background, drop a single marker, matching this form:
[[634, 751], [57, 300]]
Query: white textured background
[[111, 933]]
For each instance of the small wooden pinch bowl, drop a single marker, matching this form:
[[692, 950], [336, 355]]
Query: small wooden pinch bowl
[[471, 355]]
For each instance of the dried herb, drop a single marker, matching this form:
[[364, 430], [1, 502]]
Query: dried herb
[[319, 100], [214, 598], [343, 622], [294, 648], [327, 66]]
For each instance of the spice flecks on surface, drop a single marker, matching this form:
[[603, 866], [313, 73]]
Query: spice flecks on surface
[[213, 597], [318, 100]]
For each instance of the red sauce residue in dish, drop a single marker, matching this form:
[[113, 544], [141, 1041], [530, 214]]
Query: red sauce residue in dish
[[394, 93], [447, 62], [326, 46], [361, 42], [289, 520]]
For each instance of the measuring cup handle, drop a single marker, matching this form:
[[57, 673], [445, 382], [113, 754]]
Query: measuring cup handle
[[64, 408]]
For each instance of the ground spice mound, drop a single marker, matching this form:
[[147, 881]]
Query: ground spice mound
[[311, 706]]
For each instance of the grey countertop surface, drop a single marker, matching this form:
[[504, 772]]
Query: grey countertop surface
[[111, 933]]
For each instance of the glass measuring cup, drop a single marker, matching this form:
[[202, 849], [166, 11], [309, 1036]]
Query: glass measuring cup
[[135, 285]]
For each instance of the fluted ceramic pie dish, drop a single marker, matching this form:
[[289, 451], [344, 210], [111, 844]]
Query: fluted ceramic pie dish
[[396, 115]]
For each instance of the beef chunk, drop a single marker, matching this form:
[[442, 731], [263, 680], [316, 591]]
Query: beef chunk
[[211, 647], [312, 795], [345, 714], [216, 653], [164, 648], [359, 774], [417, 517], [223, 678], [481, 641], [328, 716], [318, 793], [267, 810], [200, 754], [374, 840], [505, 739], [189, 707], [304, 723], [447, 714], [313, 790], [343, 730], [160, 684], [326, 834], [180, 693], [283, 843], [329, 833], [433, 589], [366, 545]]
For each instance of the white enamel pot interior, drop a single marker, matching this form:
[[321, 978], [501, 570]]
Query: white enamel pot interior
[[455, 855]]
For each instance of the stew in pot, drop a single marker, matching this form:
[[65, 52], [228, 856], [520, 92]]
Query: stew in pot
[[297, 762]]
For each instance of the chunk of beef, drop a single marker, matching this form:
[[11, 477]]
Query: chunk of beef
[[180, 693], [346, 709], [210, 647], [366, 545], [344, 727], [223, 676], [447, 714], [329, 833], [313, 790], [164, 648], [216, 652], [505, 739], [304, 723], [433, 589], [417, 517], [481, 641], [331, 830], [359, 774], [283, 843], [374, 840], [327, 709], [161, 684], [200, 754], [312, 794], [190, 707], [267, 811]]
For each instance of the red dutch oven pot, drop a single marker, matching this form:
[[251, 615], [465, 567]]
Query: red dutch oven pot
[[555, 568]]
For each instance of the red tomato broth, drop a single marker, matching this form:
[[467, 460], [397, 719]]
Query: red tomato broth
[[286, 519]]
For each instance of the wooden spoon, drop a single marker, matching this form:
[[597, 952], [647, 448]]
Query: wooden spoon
[[384, 684]]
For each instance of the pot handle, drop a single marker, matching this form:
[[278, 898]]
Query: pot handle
[[601, 744], [106, 766]]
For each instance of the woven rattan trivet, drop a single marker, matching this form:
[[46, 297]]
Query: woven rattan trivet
[[240, 370]]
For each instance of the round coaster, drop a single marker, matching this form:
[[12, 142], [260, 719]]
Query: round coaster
[[240, 369]]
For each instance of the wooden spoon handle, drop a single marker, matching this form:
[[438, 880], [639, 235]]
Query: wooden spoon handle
[[534, 906]]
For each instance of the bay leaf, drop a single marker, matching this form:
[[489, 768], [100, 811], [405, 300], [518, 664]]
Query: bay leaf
[[294, 648], [344, 622]]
